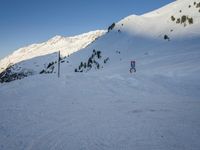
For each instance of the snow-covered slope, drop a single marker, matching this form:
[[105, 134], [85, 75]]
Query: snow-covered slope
[[66, 46], [160, 22], [99, 105], [151, 39]]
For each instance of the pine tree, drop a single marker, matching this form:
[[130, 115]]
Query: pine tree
[[98, 54], [166, 37], [183, 19], [111, 27]]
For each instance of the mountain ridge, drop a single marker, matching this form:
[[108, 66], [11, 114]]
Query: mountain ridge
[[55, 44]]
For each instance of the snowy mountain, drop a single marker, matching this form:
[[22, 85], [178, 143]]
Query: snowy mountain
[[33, 59], [154, 38], [66, 45], [97, 103]]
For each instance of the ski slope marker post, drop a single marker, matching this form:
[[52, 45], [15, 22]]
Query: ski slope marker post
[[132, 67], [58, 64]]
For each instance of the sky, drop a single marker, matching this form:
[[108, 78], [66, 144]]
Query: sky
[[24, 22]]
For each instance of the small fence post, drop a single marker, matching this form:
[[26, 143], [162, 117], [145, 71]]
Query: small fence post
[[58, 64]]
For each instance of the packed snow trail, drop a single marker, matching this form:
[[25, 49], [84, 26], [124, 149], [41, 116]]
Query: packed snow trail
[[119, 111]]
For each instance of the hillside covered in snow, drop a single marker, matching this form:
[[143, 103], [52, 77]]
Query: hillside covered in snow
[[97, 104], [33, 58]]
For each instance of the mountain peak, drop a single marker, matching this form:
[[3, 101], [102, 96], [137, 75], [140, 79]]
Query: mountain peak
[[55, 38]]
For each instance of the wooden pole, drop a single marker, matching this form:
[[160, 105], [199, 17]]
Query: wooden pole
[[58, 64]]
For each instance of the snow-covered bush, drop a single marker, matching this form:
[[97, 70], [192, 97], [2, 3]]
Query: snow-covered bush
[[166, 37], [94, 61], [49, 69], [9, 75], [105, 60], [178, 20], [198, 5], [98, 54], [190, 20], [183, 19], [173, 18]]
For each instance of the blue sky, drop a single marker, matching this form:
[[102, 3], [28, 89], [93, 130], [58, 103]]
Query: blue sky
[[24, 22]]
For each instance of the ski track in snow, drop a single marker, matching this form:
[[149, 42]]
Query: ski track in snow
[[97, 115]]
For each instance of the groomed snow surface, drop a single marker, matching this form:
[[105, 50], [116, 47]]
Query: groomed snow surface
[[108, 112], [156, 108]]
